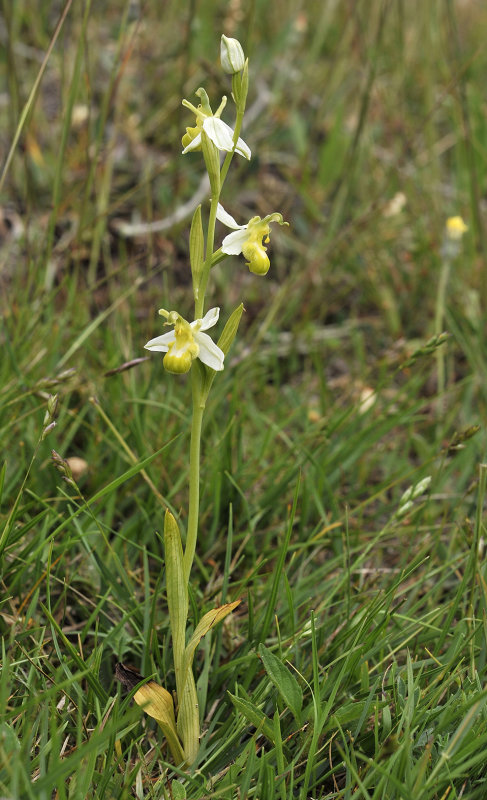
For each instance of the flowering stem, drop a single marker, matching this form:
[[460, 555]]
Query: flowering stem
[[199, 401]]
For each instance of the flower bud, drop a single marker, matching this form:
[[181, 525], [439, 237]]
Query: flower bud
[[231, 55]]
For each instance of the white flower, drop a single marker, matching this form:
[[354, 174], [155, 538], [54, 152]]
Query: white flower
[[218, 131], [247, 239], [187, 342]]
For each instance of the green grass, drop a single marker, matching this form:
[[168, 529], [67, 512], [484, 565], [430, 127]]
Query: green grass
[[355, 666]]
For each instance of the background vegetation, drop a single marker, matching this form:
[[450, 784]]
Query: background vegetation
[[356, 666]]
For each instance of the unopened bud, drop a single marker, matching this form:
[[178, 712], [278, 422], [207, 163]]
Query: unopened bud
[[231, 55]]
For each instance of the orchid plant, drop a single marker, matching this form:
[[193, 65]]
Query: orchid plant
[[188, 347]]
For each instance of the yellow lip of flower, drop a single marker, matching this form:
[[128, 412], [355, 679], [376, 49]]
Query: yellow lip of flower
[[218, 131], [249, 239], [187, 342], [455, 228], [256, 257], [183, 350]]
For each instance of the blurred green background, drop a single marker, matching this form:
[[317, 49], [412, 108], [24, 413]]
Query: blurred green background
[[367, 124]]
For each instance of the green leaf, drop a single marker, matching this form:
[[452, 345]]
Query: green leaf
[[255, 716], [208, 621], [230, 330], [3, 470], [224, 343], [196, 249], [178, 791], [283, 680], [177, 600], [177, 593]]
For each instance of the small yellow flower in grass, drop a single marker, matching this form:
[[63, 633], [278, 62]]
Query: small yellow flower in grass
[[455, 228], [187, 342], [218, 131], [247, 239]]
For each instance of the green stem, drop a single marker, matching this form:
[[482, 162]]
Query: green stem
[[210, 240], [194, 471], [229, 156]]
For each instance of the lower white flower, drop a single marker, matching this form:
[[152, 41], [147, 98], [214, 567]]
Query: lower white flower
[[187, 342]]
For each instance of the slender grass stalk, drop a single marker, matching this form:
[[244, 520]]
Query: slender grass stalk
[[439, 322], [454, 230]]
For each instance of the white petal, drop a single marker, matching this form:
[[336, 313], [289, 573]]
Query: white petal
[[210, 354], [219, 132], [233, 243], [243, 149], [161, 343], [193, 145], [210, 319], [227, 219]]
